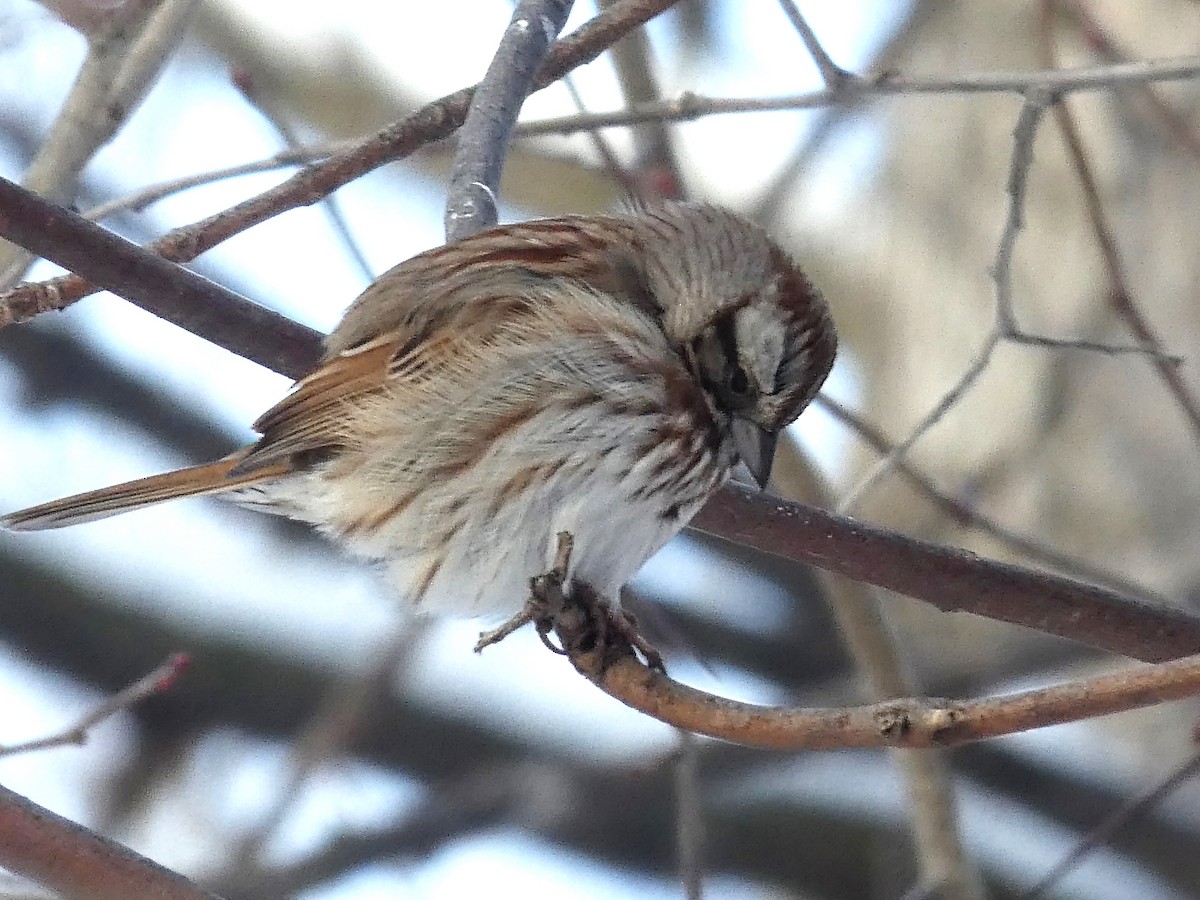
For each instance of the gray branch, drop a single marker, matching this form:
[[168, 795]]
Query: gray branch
[[483, 139]]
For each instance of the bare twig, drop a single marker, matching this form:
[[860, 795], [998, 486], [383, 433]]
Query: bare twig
[[947, 402], [139, 200], [1055, 82], [1104, 832], [689, 817], [1098, 39], [603, 148], [78, 863], [484, 136], [158, 681], [125, 55], [1120, 294], [833, 74], [1024, 134], [245, 83], [967, 515]]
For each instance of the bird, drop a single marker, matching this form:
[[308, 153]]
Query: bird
[[594, 375]]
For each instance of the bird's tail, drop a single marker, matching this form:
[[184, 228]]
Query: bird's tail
[[212, 478]]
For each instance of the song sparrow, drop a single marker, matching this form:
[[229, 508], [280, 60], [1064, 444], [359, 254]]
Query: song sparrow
[[596, 375]]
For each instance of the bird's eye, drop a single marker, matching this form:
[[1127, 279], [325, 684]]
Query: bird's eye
[[739, 384]]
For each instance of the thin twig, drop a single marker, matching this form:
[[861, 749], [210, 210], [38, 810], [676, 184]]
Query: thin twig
[[245, 84], [1024, 134], [485, 134], [141, 199], [833, 74], [1120, 294], [603, 148], [1132, 809], [1057, 82], [689, 817], [157, 682], [1161, 357], [1098, 39], [967, 515], [948, 400]]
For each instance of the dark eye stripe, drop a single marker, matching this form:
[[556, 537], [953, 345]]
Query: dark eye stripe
[[727, 339]]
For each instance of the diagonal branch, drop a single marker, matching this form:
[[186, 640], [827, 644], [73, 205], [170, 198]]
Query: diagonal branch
[[949, 578], [78, 863], [833, 75], [484, 136], [161, 287], [156, 682], [432, 122]]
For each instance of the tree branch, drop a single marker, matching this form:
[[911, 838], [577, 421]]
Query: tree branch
[[77, 863], [163, 288], [949, 578], [484, 136], [156, 682], [432, 122], [913, 722]]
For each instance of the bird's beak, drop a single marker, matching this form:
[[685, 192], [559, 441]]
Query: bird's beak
[[756, 446]]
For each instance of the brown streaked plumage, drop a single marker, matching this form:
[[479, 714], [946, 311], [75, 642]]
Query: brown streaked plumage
[[592, 374]]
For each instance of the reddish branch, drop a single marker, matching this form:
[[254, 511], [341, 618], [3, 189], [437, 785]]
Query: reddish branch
[[78, 863], [433, 122], [949, 578], [157, 285]]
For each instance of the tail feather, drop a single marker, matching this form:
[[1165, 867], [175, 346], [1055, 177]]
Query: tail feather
[[212, 478]]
